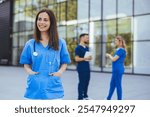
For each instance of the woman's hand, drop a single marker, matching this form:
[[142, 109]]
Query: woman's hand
[[32, 72], [60, 71], [108, 55], [58, 74], [115, 58], [29, 70]]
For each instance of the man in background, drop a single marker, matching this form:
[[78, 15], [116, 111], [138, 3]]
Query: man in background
[[83, 66]]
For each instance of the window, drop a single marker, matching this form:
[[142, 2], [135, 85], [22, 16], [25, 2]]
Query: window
[[109, 11], [125, 8], [141, 57], [142, 6], [83, 9], [95, 44], [125, 30], [72, 41], [95, 9], [142, 33]]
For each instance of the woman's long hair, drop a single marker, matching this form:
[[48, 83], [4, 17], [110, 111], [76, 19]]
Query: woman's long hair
[[52, 32]]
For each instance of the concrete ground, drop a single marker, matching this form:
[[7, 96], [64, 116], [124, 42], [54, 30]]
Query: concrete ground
[[135, 87]]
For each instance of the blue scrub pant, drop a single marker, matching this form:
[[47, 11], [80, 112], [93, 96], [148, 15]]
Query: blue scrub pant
[[84, 78], [116, 82]]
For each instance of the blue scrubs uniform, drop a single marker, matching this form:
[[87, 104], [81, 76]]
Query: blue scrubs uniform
[[117, 72], [83, 69], [48, 60]]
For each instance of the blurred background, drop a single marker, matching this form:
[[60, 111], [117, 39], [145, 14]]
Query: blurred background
[[102, 19]]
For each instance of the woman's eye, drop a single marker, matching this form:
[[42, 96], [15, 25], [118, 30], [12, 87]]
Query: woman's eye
[[39, 19], [45, 19]]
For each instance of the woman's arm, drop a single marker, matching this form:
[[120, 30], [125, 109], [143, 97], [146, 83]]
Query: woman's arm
[[115, 58], [29, 70], [78, 59], [60, 71]]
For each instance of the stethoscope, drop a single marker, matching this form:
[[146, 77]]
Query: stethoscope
[[34, 53]]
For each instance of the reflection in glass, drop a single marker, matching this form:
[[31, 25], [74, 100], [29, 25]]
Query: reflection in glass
[[109, 30], [22, 39], [29, 5], [109, 11], [141, 6], [83, 28], [22, 5], [53, 8], [95, 32], [51, 1], [15, 57], [125, 8], [72, 41], [109, 34], [15, 23], [95, 9], [16, 6], [142, 33], [62, 32], [94, 44], [35, 4], [21, 22], [96, 56], [141, 57], [107, 63], [44, 3], [29, 21], [83, 9], [125, 30], [62, 11], [58, 13], [72, 10], [15, 40]]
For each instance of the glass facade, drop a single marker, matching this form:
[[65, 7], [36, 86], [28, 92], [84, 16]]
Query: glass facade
[[102, 19]]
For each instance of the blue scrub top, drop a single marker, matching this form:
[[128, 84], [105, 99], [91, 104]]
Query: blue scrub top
[[82, 65], [118, 65], [48, 60]]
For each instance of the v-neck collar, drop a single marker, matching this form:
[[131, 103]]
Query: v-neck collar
[[45, 47]]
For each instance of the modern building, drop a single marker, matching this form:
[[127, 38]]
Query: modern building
[[102, 19]]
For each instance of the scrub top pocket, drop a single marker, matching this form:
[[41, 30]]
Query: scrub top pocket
[[32, 83], [54, 84]]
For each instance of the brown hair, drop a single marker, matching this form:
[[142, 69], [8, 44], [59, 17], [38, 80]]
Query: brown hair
[[52, 32], [120, 38]]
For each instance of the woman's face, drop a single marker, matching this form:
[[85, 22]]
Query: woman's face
[[117, 42], [43, 22]]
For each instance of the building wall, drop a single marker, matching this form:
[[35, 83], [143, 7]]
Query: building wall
[[102, 19], [5, 30]]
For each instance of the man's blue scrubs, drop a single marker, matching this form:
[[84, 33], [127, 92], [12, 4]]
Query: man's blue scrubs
[[117, 72], [83, 69], [42, 85]]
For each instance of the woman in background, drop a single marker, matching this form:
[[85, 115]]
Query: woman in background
[[117, 67]]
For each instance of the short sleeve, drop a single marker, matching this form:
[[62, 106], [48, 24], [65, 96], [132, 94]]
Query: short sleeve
[[64, 54], [77, 51], [25, 57], [120, 52]]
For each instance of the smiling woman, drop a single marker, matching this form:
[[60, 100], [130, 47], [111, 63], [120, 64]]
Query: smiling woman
[[45, 58]]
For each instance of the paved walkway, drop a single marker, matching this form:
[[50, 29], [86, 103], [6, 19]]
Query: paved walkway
[[13, 82]]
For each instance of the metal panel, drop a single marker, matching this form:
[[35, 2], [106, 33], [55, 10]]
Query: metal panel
[[5, 48]]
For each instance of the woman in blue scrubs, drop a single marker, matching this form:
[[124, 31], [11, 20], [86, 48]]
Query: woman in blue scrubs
[[45, 58], [117, 68]]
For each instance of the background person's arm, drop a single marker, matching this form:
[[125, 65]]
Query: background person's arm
[[113, 58], [78, 59]]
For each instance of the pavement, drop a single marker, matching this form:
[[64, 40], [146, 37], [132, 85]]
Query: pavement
[[135, 87]]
